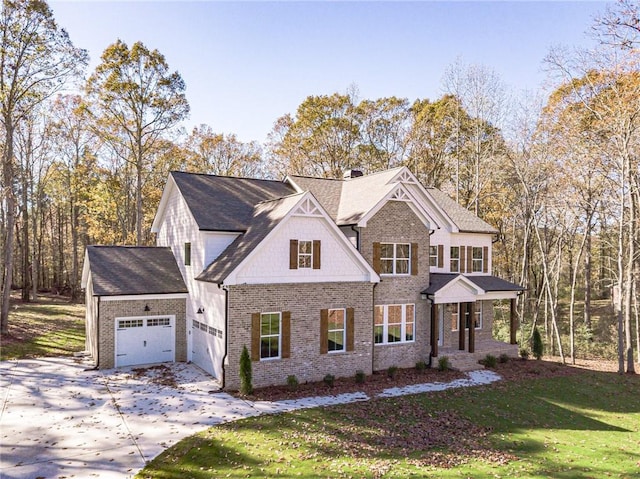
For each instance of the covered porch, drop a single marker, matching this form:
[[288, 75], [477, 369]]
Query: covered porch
[[462, 318]]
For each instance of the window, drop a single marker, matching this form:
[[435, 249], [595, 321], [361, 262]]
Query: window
[[455, 259], [394, 323], [130, 323], [455, 315], [187, 254], [159, 322], [477, 260], [305, 254], [477, 315], [394, 258], [269, 335], [433, 256], [337, 330]]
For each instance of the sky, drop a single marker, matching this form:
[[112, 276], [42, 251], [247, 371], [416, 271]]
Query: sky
[[245, 64]]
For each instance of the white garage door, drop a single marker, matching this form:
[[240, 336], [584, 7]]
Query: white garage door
[[145, 340], [203, 343]]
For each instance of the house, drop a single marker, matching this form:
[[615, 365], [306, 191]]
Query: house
[[314, 276]]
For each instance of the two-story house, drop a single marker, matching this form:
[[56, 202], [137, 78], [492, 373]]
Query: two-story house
[[314, 276]]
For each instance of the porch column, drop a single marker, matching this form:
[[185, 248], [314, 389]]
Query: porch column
[[434, 330], [472, 329], [512, 321], [462, 308]]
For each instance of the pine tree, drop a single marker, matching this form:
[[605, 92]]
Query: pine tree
[[245, 372], [537, 347]]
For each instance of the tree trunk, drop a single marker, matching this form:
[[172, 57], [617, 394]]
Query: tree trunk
[[10, 202]]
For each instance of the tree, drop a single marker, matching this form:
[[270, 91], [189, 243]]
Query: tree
[[36, 59], [620, 24], [135, 100], [246, 385], [537, 346], [218, 154]]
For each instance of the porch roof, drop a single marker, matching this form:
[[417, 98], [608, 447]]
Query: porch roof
[[488, 287]]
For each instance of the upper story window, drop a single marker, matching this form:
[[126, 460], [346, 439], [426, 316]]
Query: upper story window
[[304, 254], [477, 260], [395, 258], [187, 254], [454, 263], [433, 256]]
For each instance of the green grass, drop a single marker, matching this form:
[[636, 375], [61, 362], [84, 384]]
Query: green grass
[[581, 426], [48, 327]]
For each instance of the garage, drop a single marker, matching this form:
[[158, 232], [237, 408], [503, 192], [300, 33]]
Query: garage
[[203, 339], [145, 340], [136, 306]]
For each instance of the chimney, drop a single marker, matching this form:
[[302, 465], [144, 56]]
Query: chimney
[[349, 174]]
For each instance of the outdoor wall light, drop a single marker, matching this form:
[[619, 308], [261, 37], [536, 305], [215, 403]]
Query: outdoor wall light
[[200, 310], [147, 308]]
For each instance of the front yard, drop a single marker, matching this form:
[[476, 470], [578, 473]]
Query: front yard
[[544, 420]]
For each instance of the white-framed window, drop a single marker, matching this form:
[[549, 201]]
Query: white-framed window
[[130, 323], [159, 322], [337, 331], [395, 258], [394, 323], [455, 315], [305, 254], [454, 308], [477, 259], [433, 256], [454, 263], [270, 337]]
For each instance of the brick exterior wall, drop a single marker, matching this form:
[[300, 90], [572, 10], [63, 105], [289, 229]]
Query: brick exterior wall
[[395, 222], [304, 301], [109, 310]]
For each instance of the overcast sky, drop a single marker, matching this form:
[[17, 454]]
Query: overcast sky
[[247, 63]]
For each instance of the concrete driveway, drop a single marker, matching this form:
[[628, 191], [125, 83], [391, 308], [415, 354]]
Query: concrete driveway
[[58, 419]]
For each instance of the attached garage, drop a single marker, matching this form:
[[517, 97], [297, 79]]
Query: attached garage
[[136, 306]]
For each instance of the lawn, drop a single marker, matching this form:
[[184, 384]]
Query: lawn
[[50, 326], [576, 424]]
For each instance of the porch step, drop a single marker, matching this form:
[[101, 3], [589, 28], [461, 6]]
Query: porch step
[[465, 361]]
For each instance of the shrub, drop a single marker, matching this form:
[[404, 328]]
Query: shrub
[[329, 379], [443, 363], [489, 361], [504, 358], [524, 353], [421, 366], [537, 347], [292, 382], [360, 377], [392, 371], [246, 374]]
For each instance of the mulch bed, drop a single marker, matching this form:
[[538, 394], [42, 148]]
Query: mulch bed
[[513, 370]]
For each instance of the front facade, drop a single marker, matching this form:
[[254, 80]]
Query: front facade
[[317, 276]]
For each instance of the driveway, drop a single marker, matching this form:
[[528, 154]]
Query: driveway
[[59, 419]]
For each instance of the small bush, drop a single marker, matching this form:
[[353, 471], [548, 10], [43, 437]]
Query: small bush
[[504, 358], [489, 361], [524, 353], [392, 372], [292, 382], [421, 366], [246, 373], [329, 379], [537, 347], [443, 363], [360, 377]]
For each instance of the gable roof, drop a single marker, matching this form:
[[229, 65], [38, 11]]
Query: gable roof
[[465, 220], [132, 270], [265, 217], [224, 203], [487, 283]]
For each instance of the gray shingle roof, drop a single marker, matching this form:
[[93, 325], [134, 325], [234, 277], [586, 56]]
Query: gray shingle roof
[[265, 217], [132, 270], [222, 203], [327, 191], [464, 219], [488, 283]]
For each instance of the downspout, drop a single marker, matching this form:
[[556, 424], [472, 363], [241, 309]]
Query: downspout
[[226, 332], [373, 325], [357, 231], [437, 328], [95, 368]]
